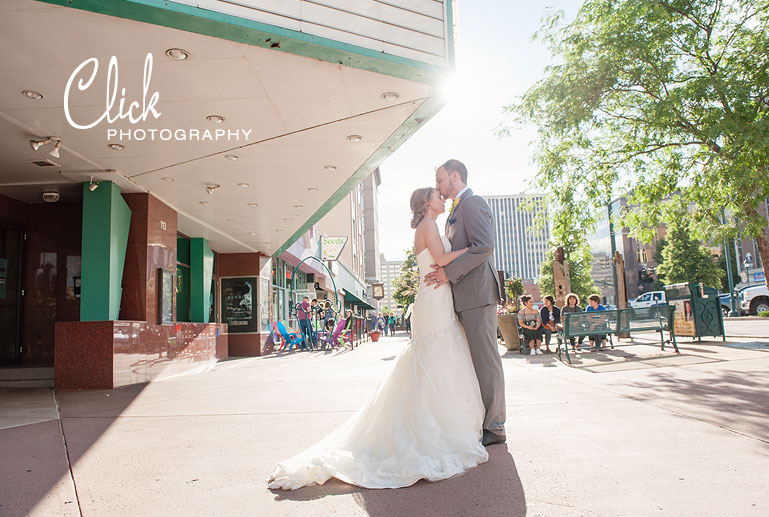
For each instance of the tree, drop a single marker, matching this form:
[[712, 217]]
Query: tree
[[685, 259], [580, 267], [407, 282], [665, 101]]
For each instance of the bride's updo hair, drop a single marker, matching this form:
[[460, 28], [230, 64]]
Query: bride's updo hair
[[419, 199]]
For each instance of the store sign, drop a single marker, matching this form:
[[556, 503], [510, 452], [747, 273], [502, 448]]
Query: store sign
[[331, 247], [759, 277]]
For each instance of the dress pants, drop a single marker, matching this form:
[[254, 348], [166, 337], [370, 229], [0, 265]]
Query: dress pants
[[480, 326]]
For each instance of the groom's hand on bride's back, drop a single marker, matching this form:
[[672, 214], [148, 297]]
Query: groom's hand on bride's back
[[437, 277]]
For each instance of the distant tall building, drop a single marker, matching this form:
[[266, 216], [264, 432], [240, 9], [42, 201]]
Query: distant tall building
[[521, 246], [391, 269]]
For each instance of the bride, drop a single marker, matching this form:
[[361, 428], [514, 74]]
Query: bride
[[424, 420]]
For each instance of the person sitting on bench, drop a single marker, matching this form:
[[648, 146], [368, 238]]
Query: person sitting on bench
[[594, 302]]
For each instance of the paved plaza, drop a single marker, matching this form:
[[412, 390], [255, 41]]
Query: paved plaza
[[634, 431]]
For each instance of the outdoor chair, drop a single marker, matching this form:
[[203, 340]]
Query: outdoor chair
[[346, 335], [277, 336], [292, 338], [332, 339]]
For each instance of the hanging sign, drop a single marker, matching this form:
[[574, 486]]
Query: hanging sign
[[331, 247]]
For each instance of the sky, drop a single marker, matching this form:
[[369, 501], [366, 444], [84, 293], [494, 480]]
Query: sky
[[497, 61]]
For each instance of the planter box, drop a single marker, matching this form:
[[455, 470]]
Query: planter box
[[508, 326]]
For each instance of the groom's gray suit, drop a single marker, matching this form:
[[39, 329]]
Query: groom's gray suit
[[475, 287]]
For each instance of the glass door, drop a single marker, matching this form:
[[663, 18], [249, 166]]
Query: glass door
[[10, 259]]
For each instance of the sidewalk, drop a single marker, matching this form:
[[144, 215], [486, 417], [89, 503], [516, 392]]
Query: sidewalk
[[626, 432]]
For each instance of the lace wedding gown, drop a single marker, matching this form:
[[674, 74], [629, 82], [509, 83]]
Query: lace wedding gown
[[423, 421]]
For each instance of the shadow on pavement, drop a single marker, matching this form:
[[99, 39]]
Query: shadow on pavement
[[492, 488], [726, 395], [34, 464]]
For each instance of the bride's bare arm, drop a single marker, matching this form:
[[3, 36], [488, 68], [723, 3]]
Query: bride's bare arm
[[432, 240]]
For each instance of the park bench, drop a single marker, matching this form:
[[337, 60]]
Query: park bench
[[658, 318]]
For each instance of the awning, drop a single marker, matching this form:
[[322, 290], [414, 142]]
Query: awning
[[351, 298]]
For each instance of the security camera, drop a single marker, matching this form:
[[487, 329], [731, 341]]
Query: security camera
[[50, 197]]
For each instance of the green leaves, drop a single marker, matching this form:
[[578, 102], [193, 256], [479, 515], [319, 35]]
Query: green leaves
[[684, 259], [663, 101], [407, 282]]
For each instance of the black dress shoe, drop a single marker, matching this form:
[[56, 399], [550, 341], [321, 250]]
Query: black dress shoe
[[490, 438]]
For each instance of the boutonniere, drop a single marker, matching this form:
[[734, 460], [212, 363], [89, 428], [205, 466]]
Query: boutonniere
[[455, 204]]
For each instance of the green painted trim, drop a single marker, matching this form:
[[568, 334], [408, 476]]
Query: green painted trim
[[201, 273], [106, 222], [450, 34], [425, 112], [241, 30]]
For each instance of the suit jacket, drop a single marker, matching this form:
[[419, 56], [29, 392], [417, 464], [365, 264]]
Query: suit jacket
[[474, 281]]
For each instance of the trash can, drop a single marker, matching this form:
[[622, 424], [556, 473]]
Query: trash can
[[698, 310]]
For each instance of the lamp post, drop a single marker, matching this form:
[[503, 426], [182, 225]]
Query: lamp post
[[733, 313], [613, 252]]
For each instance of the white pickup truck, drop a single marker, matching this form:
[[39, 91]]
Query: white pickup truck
[[754, 299], [648, 300]]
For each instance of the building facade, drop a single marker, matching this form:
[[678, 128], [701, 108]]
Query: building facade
[[167, 227], [390, 270], [349, 270], [521, 242]]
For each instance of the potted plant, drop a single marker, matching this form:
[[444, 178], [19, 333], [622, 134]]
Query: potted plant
[[507, 317], [374, 334]]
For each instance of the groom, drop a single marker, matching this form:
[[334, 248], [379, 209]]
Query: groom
[[475, 287]]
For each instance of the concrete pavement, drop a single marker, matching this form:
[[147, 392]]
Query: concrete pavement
[[626, 432]]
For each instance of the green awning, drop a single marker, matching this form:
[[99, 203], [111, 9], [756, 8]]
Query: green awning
[[351, 298]]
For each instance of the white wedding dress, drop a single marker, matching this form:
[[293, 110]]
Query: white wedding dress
[[422, 422]]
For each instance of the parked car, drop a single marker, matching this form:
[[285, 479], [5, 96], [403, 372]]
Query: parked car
[[649, 299], [754, 299], [726, 304]]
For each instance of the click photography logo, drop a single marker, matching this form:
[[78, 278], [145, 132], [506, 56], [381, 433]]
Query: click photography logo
[[117, 107]]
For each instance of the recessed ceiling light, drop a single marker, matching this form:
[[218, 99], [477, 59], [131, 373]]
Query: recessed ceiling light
[[178, 54], [32, 94], [231, 220], [278, 229], [252, 234], [204, 203], [330, 167], [312, 189], [298, 206], [244, 185], [252, 204], [216, 119], [169, 180], [287, 219], [232, 157], [116, 147], [390, 96], [354, 138]]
